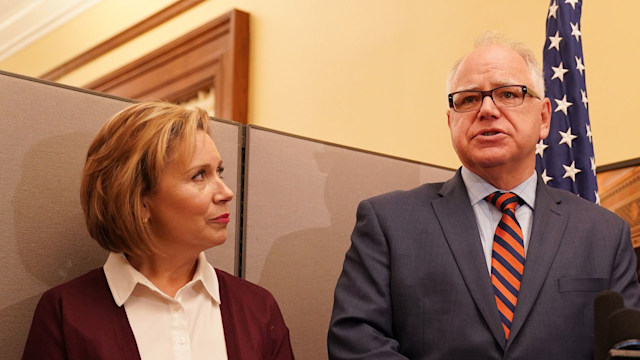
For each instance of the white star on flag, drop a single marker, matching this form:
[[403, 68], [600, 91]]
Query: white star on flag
[[545, 177], [579, 65], [540, 146], [584, 98], [572, 2], [589, 135], [571, 171], [563, 105], [593, 165], [575, 31], [555, 41], [597, 197], [567, 137], [553, 10], [558, 72]]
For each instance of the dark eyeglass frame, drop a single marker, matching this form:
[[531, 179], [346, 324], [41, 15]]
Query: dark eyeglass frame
[[489, 93]]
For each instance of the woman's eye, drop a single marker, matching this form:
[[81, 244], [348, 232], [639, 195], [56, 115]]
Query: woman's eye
[[220, 171], [198, 176]]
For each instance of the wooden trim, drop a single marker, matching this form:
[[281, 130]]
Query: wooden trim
[[618, 165], [239, 90], [138, 29], [215, 55]]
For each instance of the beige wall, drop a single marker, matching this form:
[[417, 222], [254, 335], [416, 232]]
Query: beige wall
[[370, 73]]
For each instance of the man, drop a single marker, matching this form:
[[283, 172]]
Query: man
[[423, 278]]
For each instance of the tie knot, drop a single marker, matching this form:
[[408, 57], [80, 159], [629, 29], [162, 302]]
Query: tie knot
[[504, 201]]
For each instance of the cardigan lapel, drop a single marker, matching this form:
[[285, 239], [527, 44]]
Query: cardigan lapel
[[115, 318], [456, 217], [127, 345], [228, 321], [549, 224]]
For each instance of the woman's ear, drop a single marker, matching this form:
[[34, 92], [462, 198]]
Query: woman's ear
[[146, 213]]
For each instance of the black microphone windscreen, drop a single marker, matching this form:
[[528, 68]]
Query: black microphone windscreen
[[605, 304], [623, 327]]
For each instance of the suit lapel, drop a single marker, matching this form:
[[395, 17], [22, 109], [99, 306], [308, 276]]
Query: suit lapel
[[549, 224], [460, 229]]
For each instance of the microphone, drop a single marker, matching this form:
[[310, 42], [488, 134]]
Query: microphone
[[605, 304], [623, 334]]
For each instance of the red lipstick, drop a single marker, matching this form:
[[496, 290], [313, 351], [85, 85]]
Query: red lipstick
[[224, 218]]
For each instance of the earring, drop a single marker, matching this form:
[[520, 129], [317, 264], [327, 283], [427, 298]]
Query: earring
[[146, 220]]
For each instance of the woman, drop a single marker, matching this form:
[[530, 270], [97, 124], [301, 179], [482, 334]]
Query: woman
[[153, 195]]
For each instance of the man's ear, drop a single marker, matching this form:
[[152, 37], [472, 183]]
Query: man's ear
[[545, 118]]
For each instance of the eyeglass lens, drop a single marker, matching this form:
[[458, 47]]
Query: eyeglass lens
[[505, 96]]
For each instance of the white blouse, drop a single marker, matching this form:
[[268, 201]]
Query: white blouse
[[186, 327]]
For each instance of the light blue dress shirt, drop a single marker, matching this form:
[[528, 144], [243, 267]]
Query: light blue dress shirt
[[488, 216]]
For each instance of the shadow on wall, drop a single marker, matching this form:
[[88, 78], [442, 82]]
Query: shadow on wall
[[50, 234], [53, 242], [302, 267]]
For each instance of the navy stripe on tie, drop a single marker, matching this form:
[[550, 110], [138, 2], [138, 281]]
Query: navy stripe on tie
[[509, 248], [509, 230], [505, 320], [507, 266], [505, 283]]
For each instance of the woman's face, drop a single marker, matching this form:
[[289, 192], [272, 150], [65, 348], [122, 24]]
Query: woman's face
[[189, 207]]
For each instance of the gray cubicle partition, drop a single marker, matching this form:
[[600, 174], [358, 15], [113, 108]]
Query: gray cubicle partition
[[300, 198], [300, 204], [45, 130]]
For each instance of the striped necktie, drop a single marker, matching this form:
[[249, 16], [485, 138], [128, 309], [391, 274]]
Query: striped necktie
[[507, 263]]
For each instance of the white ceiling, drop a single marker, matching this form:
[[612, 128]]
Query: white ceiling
[[24, 21]]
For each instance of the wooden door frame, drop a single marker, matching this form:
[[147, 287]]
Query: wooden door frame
[[213, 56]]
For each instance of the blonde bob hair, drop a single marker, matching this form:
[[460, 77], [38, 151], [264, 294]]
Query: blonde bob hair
[[124, 162]]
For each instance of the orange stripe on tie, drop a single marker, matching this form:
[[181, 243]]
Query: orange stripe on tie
[[507, 331], [506, 274], [517, 265], [509, 239], [503, 308], [505, 292]]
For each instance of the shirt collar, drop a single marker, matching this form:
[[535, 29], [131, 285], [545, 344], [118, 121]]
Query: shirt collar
[[478, 188], [122, 278], [207, 275]]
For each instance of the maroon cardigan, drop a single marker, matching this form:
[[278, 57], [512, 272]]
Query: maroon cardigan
[[80, 320]]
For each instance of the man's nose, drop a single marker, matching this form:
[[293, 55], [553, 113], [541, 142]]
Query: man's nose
[[488, 107]]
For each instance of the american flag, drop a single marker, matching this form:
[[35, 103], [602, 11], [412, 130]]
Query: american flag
[[565, 159]]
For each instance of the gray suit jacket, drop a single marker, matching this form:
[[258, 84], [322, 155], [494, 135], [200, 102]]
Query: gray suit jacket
[[415, 283]]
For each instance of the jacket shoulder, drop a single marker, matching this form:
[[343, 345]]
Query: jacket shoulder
[[569, 199], [421, 193], [236, 288], [81, 287]]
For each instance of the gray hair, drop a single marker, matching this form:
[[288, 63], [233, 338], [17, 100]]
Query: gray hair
[[496, 38]]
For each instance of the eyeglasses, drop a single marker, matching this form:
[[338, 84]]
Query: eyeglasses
[[503, 96]]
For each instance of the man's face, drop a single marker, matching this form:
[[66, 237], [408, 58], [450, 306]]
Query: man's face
[[493, 138]]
